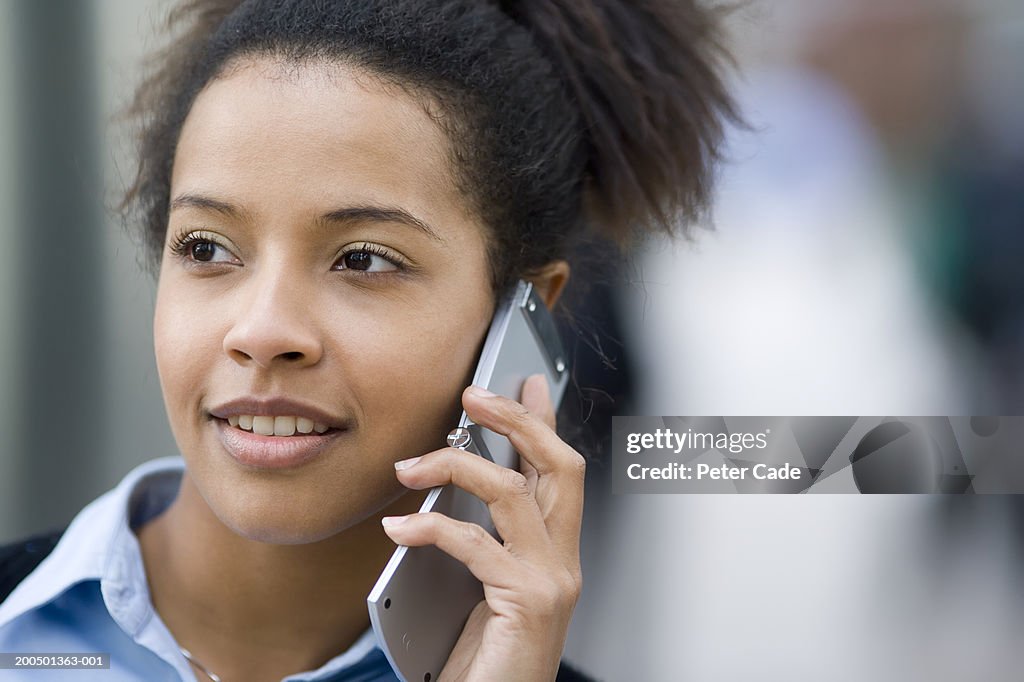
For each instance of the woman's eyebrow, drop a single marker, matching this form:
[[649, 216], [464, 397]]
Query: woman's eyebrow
[[357, 214], [189, 200], [340, 216]]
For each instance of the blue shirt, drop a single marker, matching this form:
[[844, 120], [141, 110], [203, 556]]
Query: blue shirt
[[90, 596]]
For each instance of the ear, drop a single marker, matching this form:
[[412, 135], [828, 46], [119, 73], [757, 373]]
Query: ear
[[550, 280]]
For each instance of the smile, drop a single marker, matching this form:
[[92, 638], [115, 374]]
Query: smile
[[274, 442], [276, 426]]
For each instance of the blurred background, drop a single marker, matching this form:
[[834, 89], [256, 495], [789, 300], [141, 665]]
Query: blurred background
[[867, 257]]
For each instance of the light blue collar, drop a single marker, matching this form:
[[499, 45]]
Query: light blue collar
[[100, 545]]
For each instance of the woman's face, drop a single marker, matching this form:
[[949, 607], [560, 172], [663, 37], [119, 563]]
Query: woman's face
[[321, 270]]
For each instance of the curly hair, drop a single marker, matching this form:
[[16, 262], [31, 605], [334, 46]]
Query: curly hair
[[563, 115]]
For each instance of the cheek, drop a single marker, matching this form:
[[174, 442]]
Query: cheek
[[183, 346], [410, 374]]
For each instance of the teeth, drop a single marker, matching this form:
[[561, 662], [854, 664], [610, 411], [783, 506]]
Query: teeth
[[284, 426], [263, 426], [276, 426]]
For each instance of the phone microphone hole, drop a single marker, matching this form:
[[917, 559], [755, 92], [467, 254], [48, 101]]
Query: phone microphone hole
[[387, 603], [426, 677]]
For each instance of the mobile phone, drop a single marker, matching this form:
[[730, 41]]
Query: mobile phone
[[423, 597]]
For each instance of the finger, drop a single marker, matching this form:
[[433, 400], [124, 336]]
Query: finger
[[515, 513], [537, 399], [468, 543], [560, 469], [529, 435]]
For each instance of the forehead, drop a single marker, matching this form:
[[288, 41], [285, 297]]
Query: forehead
[[267, 132]]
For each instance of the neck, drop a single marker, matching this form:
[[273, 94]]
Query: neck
[[253, 610]]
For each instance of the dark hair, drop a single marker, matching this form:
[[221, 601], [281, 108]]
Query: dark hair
[[562, 114]]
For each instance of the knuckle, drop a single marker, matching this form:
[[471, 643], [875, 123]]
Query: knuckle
[[577, 579], [555, 592], [574, 586], [514, 483], [517, 414], [577, 464], [553, 597], [431, 522], [568, 590], [474, 534], [448, 457]]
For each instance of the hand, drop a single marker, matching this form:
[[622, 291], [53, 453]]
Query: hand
[[532, 581]]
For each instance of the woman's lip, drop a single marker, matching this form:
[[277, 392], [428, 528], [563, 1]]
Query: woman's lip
[[272, 452]]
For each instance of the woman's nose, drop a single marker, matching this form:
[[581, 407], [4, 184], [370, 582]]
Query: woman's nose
[[273, 327]]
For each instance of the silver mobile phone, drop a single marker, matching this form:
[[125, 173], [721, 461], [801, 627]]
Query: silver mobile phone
[[423, 597]]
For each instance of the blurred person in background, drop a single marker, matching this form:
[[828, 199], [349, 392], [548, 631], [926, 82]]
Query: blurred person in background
[[850, 254], [932, 80]]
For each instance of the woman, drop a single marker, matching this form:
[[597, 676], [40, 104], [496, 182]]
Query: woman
[[337, 195]]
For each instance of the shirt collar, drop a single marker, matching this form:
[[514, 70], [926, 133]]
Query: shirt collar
[[99, 544]]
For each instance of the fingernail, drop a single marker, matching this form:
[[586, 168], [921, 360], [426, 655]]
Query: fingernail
[[407, 463], [481, 392], [389, 521]]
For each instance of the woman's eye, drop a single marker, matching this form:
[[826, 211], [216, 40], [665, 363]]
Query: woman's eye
[[198, 248], [208, 252], [366, 259]]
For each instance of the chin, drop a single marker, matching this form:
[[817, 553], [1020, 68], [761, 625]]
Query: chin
[[288, 522]]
